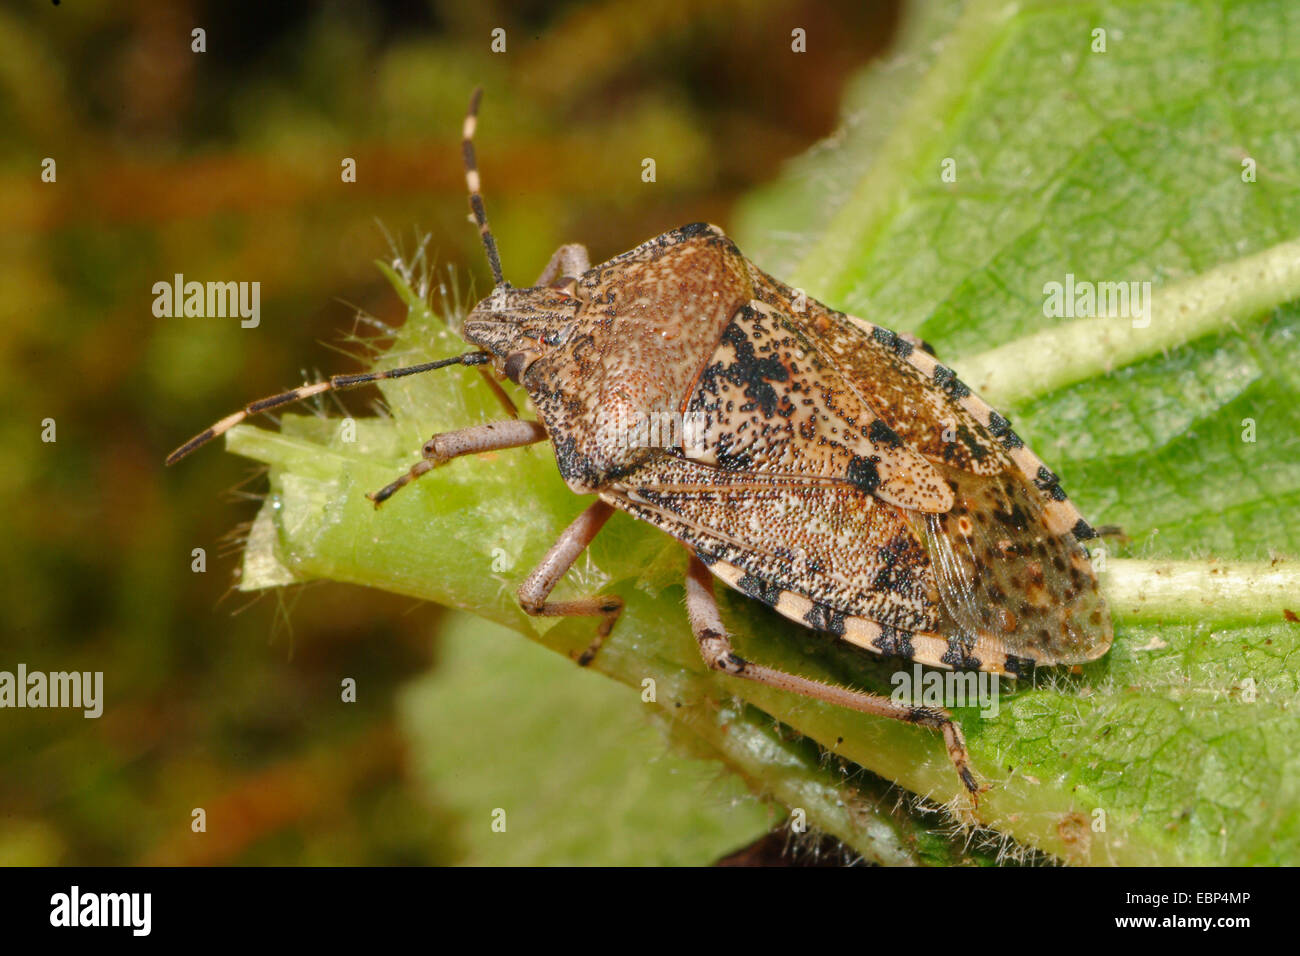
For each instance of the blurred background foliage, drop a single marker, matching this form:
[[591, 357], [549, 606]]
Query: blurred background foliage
[[224, 165]]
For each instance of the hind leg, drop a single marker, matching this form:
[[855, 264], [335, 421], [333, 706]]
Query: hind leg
[[715, 648]]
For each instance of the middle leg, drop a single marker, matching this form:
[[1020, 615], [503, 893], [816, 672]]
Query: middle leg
[[537, 587]]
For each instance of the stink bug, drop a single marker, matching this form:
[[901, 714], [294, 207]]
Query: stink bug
[[839, 473]]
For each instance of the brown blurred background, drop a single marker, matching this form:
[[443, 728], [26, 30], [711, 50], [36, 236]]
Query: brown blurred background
[[225, 165]]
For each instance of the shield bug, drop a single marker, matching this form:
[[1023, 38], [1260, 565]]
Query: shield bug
[[836, 470]]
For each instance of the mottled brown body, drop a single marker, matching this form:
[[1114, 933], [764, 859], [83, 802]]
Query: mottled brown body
[[834, 470], [846, 478]]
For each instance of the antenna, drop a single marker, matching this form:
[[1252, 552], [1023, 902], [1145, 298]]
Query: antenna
[[472, 181]]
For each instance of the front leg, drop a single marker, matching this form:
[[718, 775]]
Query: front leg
[[568, 260], [442, 448], [537, 587]]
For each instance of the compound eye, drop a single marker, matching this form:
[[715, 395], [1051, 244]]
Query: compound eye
[[515, 363]]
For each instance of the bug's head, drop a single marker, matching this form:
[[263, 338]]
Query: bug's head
[[519, 326]]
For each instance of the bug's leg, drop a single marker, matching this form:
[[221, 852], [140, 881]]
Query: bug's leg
[[442, 448], [568, 260], [715, 648], [506, 401], [537, 587]]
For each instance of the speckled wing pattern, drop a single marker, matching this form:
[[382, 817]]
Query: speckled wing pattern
[[855, 484]]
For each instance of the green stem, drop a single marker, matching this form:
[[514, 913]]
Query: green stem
[[1073, 352], [1211, 591]]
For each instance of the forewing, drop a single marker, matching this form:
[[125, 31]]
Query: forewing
[[1002, 575], [766, 402], [842, 550], [1007, 556], [916, 397]]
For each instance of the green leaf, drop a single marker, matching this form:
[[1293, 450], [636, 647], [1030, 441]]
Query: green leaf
[[1122, 166], [489, 727]]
